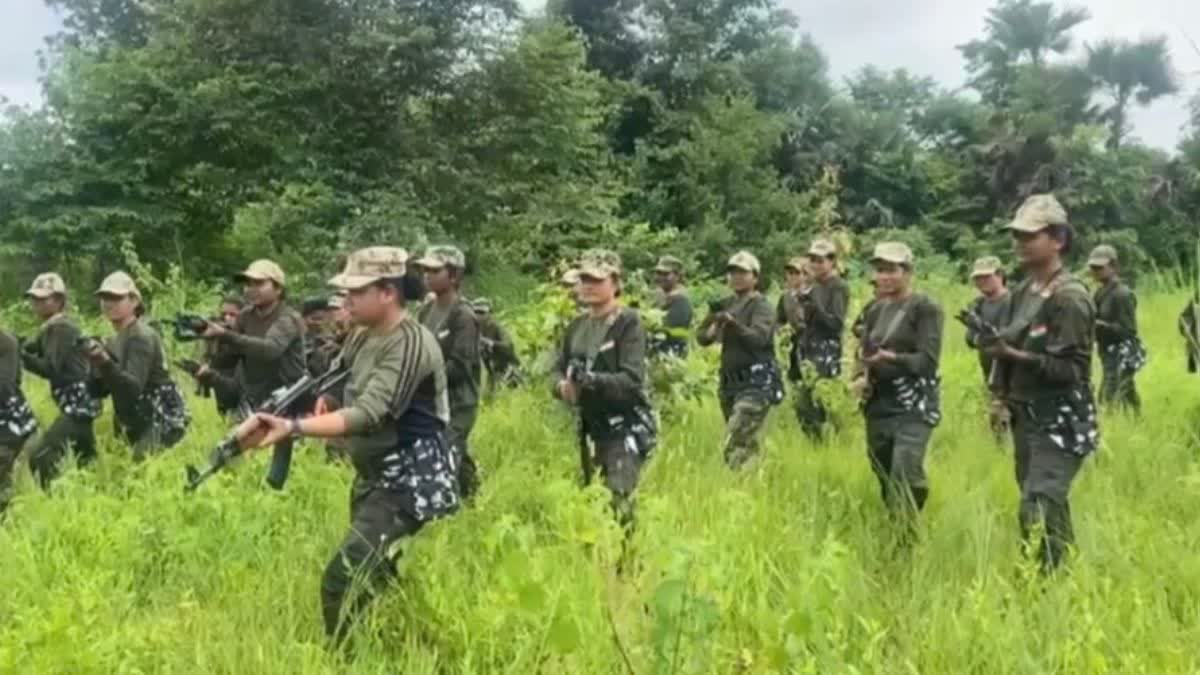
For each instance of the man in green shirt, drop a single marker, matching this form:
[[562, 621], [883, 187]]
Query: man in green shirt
[[672, 299], [17, 422], [751, 384], [452, 320], [393, 413], [268, 343], [1044, 358], [1122, 353]]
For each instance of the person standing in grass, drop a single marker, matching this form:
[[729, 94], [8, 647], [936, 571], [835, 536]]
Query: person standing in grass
[[449, 316], [672, 298], [824, 308], [1189, 328], [789, 312], [751, 384], [991, 306], [393, 414], [1122, 353], [17, 422], [1044, 357], [55, 355], [216, 374], [601, 370], [899, 380], [496, 346], [132, 368]]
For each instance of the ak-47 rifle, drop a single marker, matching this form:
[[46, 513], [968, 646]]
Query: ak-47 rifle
[[985, 333], [282, 402]]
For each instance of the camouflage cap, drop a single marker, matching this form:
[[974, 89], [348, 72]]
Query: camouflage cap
[[669, 264], [823, 248], [744, 260], [1102, 256], [1038, 213], [46, 285], [986, 266], [369, 265], [570, 277], [799, 264], [894, 252], [481, 306], [314, 304], [599, 263], [437, 257], [120, 284], [263, 270]]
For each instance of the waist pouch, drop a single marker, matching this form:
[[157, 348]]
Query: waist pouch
[[1129, 355], [1069, 420], [638, 428], [16, 417], [761, 378], [920, 395], [76, 400]]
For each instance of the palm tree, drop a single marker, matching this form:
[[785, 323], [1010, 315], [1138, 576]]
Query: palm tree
[[1130, 71]]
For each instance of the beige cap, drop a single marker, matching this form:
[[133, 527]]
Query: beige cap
[[798, 263], [744, 260], [263, 270], [986, 266], [599, 263], [369, 265], [1102, 256], [1037, 213], [46, 285], [437, 257], [669, 264], [823, 248], [893, 252], [570, 277], [119, 283]]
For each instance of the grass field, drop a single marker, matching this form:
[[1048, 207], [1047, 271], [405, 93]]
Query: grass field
[[786, 567]]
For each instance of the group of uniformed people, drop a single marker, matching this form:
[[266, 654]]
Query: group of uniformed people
[[404, 416]]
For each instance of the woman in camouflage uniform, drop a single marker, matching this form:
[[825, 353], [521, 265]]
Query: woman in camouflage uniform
[[17, 422], [131, 367], [601, 369], [55, 355]]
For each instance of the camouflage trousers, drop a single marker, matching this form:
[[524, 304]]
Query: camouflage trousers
[[366, 560], [896, 447], [66, 433], [1044, 474], [620, 465], [745, 415], [8, 459]]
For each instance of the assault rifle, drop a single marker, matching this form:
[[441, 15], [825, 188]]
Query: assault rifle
[[185, 327], [578, 372], [284, 401], [985, 333]]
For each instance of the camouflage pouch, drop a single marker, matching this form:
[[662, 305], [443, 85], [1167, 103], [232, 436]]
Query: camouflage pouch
[[1069, 420], [165, 406], [826, 357], [17, 418], [76, 400]]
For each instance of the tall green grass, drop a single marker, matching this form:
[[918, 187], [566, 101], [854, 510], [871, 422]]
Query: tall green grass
[[786, 567]]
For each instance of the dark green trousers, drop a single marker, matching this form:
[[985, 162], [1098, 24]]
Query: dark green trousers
[[8, 459], [621, 470], [458, 433], [66, 433], [896, 447], [1044, 475], [1118, 387]]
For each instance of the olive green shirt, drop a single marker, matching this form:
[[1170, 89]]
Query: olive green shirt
[[1055, 325], [994, 312], [912, 329], [270, 348], [457, 333], [56, 355], [1116, 313], [10, 366], [749, 339], [138, 365], [825, 313], [387, 367], [502, 353]]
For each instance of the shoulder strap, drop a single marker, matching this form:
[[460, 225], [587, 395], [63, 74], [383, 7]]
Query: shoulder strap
[[897, 319]]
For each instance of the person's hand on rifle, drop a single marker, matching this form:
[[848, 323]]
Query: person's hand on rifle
[[95, 353], [878, 356], [214, 330], [999, 349]]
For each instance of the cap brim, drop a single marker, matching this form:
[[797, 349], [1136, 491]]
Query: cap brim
[[430, 263], [983, 273], [732, 266], [352, 282], [251, 276], [664, 270], [39, 293], [1026, 226], [1099, 262], [596, 273], [890, 261]]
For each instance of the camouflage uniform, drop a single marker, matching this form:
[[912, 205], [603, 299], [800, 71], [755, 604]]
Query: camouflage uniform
[[396, 411], [149, 409], [55, 355], [605, 357], [1121, 351], [823, 309], [994, 312], [903, 403], [17, 422], [1054, 414], [677, 313], [457, 333], [750, 379]]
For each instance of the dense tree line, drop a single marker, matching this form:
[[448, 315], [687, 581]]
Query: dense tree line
[[205, 132]]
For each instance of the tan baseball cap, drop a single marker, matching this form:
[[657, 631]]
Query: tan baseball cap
[[894, 252], [823, 248], [1038, 213], [46, 285], [119, 283], [263, 270], [437, 257], [1102, 256], [570, 277], [369, 265], [986, 266], [669, 264], [799, 263], [599, 263], [744, 260]]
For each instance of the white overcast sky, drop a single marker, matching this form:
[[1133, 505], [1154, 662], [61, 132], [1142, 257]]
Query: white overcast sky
[[919, 35]]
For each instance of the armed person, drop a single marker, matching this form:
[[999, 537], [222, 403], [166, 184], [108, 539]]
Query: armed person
[[672, 298], [132, 368], [899, 382], [790, 314], [496, 346], [55, 355], [1189, 329], [215, 371], [989, 309], [320, 343], [268, 342], [450, 318], [601, 370], [824, 308], [750, 380], [394, 415], [1044, 355], [17, 422], [1121, 351]]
